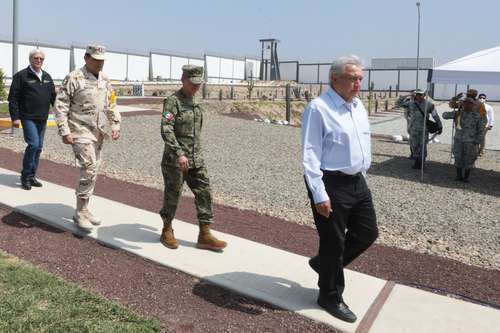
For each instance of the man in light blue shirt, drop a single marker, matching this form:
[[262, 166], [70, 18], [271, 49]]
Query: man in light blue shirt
[[336, 154]]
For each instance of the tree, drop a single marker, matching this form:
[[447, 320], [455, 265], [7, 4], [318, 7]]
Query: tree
[[3, 94]]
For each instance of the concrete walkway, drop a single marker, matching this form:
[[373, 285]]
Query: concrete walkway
[[263, 272]]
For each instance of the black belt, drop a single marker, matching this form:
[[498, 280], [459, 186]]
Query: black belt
[[341, 174]]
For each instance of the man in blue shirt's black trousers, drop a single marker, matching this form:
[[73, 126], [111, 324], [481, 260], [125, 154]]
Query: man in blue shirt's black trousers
[[31, 93], [336, 153]]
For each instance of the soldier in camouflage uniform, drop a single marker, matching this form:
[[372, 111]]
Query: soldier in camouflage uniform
[[405, 104], [85, 116], [416, 109], [181, 123], [468, 133]]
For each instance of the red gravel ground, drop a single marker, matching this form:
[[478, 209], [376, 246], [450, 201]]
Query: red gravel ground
[[183, 303]]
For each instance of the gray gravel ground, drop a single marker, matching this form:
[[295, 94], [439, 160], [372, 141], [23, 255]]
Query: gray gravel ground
[[257, 166]]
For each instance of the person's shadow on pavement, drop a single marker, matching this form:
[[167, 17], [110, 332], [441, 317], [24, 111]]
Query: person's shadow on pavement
[[293, 295], [10, 180], [127, 234]]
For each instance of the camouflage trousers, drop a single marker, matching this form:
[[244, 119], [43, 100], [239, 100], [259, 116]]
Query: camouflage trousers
[[416, 145], [465, 154], [483, 139], [199, 183], [88, 158]]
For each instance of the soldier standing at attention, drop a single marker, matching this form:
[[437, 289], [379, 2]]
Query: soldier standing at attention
[[416, 110], [181, 124], [85, 115], [489, 121], [468, 134]]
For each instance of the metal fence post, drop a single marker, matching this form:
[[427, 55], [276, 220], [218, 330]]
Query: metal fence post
[[288, 102]]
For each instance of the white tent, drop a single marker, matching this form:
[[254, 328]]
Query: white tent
[[482, 67]]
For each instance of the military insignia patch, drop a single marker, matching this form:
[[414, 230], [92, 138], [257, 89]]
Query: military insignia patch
[[169, 117]]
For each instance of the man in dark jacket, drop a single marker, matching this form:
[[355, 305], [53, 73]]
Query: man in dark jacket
[[31, 93]]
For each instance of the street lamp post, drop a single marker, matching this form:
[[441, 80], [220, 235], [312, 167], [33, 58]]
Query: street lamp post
[[418, 43], [14, 37]]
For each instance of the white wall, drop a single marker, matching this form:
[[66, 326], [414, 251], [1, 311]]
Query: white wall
[[239, 69], [197, 62], [56, 62], [255, 67], [6, 58], [213, 64], [115, 65], [161, 66], [226, 70], [177, 63], [79, 62], [23, 52], [446, 91], [138, 68]]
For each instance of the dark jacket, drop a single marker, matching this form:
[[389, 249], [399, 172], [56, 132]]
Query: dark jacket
[[30, 98]]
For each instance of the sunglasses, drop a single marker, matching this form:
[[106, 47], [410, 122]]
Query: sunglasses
[[38, 58]]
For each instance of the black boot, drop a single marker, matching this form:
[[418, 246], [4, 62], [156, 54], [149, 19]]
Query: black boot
[[459, 174], [466, 175]]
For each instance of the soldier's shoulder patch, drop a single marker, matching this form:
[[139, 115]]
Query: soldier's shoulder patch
[[169, 116]]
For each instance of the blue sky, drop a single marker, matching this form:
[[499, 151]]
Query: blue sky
[[309, 31]]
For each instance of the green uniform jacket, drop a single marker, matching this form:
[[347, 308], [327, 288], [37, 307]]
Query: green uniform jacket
[[181, 123], [468, 125]]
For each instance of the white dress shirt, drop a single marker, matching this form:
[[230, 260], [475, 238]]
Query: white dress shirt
[[335, 137], [39, 73], [489, 115]]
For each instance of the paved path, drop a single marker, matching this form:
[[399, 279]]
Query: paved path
[[276, 276]]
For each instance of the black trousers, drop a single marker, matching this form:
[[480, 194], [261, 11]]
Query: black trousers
[[349, 230]]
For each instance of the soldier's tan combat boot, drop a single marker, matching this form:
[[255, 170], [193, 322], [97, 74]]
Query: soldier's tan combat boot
[[167, 237], [80, 217], [85, 210], [207, 241]]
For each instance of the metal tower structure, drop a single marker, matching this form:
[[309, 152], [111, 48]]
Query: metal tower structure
[[269, 64]]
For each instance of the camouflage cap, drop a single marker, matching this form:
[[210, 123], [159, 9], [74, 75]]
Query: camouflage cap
[[98, 52], [419, 92], [193, 73]]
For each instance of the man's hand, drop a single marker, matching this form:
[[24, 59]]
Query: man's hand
[[68, 139], [16, 123], [183, 162], [115, 134], [324, 208]]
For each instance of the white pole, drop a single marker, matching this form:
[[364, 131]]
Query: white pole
[[424, 136], [418, 43], [14, 37]]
